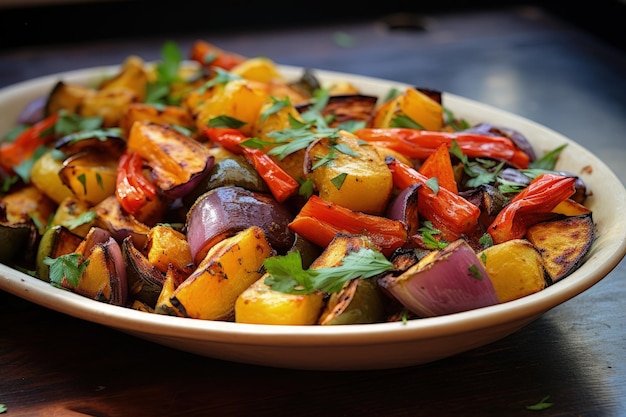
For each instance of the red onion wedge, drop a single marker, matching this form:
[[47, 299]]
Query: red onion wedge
[[445, 281], [224, 211]]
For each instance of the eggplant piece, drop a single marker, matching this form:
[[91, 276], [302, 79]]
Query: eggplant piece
[[13, 239], [308, 250], [111, 217], [145, 281], [231, 171], [563, 243], [489, 200], [308, 83], [106, 141], [225, 211], [56, 241], [359, 302], [345, 108]]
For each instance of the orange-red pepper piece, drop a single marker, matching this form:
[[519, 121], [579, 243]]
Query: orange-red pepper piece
[[450, 213], [530, 206], [439, 165], [419, 144], [319, 221], [210, 55], [14, 153], [133, 190], [281, 184]]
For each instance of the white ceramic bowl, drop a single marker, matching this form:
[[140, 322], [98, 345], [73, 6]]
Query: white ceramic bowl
[[351, 347]]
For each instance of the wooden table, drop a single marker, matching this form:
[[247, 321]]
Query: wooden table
[[522, 60]]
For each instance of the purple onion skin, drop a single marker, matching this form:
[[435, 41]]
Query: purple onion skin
[[182, 190], [226, 210], [33, 112], [447, 282], [404, 208], [120, 287]]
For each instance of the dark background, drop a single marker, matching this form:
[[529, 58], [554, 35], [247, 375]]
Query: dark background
[[75, 22]]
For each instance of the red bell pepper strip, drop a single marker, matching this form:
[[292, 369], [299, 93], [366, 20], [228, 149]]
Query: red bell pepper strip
[[439, 165], [14, 153], [419, 144], [533, 204], [450, 213], [210, 55], [319, 221], [281, 184], [133, 190]]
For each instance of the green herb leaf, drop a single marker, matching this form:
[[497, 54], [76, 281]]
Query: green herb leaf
[[285, 273], [277, 105], [82, 178], [338, 180], [343, 39], [345, 149], [433, 184], [541, 405], [474, 272], [402, 120], [84, 218], [548, 161], [486, 240], [225, 121], [70, 266], [306, 188], [222, 77], [428, 232]]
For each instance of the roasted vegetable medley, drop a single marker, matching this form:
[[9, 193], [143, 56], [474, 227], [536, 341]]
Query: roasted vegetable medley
[[214, 187]]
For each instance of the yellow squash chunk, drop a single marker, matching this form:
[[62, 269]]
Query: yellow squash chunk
[[73, 214], [45, 176], [240, 99], [570, 207], [260, 69], [164, 305], [414, 104], [515, 268], [108, 104], [27, 203], [168, 115], [132, 77], [90, 175], [260, 304], [228, 269], [166, 247], [360, 181], [563, 243]]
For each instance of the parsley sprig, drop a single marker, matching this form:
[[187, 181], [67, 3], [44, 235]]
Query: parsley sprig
[[287, 275], [70, 266]]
